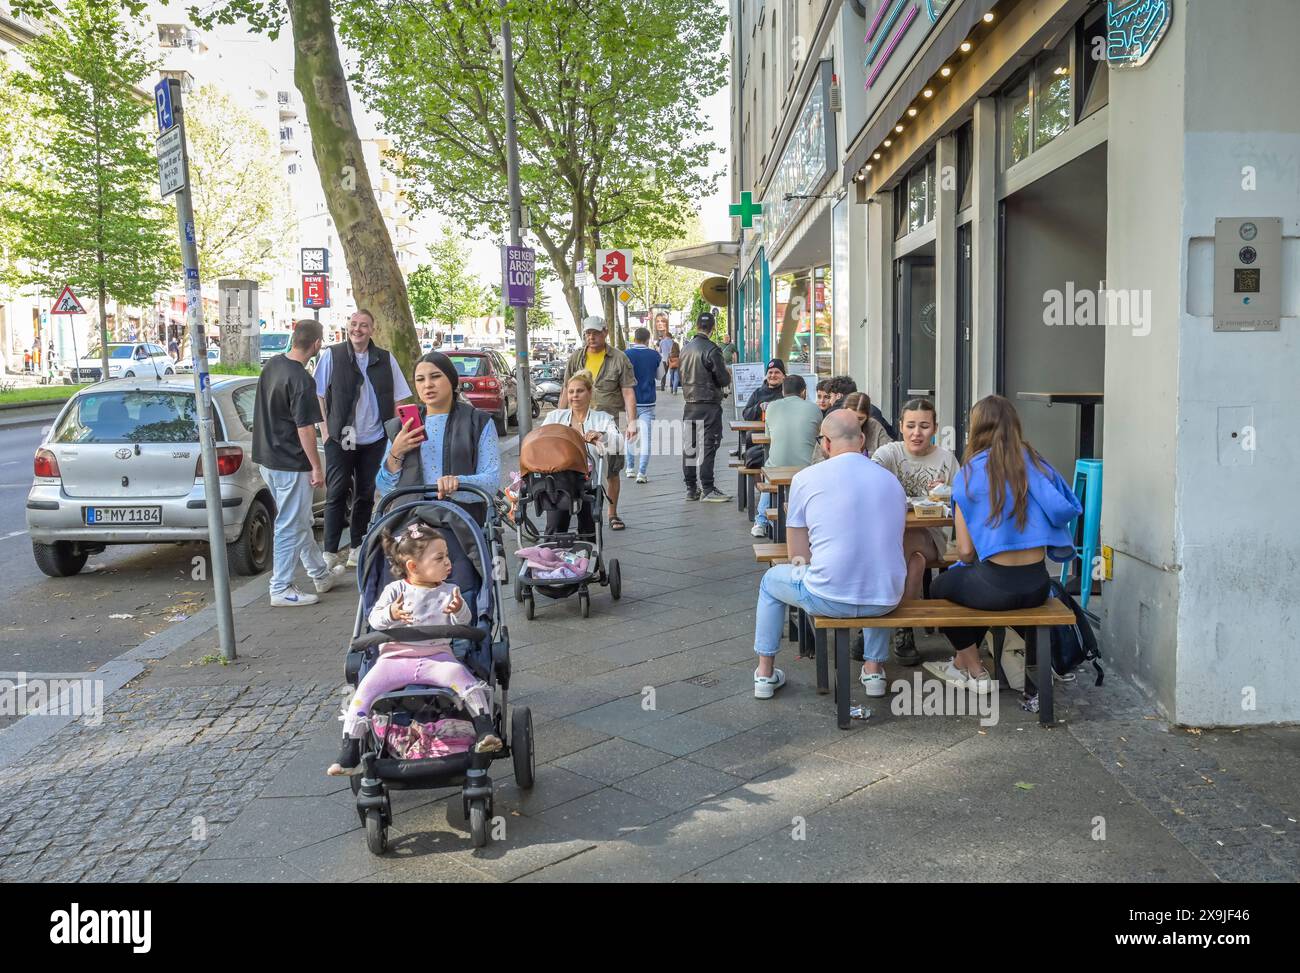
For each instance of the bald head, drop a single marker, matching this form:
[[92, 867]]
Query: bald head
[[844, 430]]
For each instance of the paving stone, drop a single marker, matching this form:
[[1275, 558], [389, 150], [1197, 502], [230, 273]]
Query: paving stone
[[613, 760], [679, 735], [679, 784], [604, 814]]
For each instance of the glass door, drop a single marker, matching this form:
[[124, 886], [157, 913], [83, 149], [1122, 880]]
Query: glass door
[[914, 330]]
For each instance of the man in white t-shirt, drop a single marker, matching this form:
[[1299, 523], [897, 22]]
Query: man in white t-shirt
[[844, 531]]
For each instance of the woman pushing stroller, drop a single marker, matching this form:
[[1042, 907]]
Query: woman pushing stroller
[[418, 558]]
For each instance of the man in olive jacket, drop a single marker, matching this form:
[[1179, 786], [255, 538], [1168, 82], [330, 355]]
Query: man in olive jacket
[[705, 381]]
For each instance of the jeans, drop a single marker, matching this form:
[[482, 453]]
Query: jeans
[[674, 379], [293, 536], [350, 472], [760, 517], [700, 441], [782, 585], [645, 417]]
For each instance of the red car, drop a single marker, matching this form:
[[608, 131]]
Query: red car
[[487, 383]]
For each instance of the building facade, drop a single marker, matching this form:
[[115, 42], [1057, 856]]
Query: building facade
[[1061, 200]]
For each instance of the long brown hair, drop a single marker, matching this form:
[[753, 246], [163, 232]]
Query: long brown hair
[[995, 429], [859, 402]]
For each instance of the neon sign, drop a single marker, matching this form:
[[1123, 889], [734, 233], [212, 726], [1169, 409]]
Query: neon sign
[[893, 19], [1134, 28]]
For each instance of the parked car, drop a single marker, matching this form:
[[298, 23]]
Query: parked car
[[125, 360], [487, 383], [186, 365], [122, 465], [274, 343]]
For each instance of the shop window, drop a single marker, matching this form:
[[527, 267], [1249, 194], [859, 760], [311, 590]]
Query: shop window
[[1093, 89], [1015, 121], [914, 198], [1053, 107]]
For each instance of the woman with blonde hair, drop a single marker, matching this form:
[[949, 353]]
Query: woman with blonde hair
[[1010, 511], [599, 429]]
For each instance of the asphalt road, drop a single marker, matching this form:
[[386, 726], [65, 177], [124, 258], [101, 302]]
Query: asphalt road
[[64, 625]]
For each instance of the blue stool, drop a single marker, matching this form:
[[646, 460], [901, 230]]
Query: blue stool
[[1087, 487]]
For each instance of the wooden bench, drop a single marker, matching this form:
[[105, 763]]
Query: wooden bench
[[937, 613], [745, 478], [771, 553]]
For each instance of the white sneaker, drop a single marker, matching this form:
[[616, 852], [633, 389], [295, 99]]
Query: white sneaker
[[335, 561], [874, 683], [629, 473], [758, 530], [980, 682], [765, 686], [326, 583], [642, 478], [352, 558], [291, 597]]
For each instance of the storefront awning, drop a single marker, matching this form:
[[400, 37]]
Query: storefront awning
[[719, 257]]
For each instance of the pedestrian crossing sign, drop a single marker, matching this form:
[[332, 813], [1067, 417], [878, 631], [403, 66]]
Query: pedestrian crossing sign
[[67, 303], [624, 295]]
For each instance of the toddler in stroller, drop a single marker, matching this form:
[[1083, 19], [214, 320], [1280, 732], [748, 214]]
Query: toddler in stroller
[[419, 560]]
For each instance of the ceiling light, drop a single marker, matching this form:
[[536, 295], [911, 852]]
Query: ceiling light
[[966, 46], [898, 128], [876, 156], [888, 143], [868, 167], [911, 113], [945, 71], [988, 17], [928, 93]]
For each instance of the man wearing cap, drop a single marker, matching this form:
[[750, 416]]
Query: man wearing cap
[[705, 380], [614, 392], [769, 390]]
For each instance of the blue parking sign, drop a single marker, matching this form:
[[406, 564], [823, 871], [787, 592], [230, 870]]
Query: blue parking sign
[[162, 97]]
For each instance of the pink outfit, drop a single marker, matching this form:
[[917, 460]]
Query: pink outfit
[[429, 663], [419, 741]]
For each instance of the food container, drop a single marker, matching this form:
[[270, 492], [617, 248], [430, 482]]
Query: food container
[[929, 509]]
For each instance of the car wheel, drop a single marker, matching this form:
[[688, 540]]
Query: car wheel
[[129, 375], [169, 371], [60, 559], [251, 552]]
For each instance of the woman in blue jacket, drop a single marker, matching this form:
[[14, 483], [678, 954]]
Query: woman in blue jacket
[[1010, 512]]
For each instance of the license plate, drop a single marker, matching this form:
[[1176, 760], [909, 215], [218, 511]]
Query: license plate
[[127, 516]]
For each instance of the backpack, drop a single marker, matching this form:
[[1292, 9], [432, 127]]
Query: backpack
[[1073, 644], [674, 356]]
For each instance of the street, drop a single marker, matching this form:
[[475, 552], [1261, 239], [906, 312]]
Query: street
[[65, 624]]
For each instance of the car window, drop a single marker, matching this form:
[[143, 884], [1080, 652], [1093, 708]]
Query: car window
[[157, 350], [275, 342], [130, 417], [469, 366], [244, 399], [120, 351]]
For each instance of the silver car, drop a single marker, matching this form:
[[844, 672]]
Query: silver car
[[122, 466]]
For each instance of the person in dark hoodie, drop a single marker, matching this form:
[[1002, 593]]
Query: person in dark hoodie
[[1011, 511], [769, 390]]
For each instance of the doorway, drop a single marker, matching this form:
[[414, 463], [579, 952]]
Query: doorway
[[914, 328]]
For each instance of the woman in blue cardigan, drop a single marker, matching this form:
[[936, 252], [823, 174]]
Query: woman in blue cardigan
[[1010, 511]]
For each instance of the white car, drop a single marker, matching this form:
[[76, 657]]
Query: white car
[[121, 466], [126, 360], [274, 343]]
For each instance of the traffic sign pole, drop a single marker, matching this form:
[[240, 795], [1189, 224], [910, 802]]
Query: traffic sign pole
[[523, 393], [202, 381]]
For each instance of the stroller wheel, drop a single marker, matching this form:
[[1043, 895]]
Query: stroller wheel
[[519, 591], [376, 832], [521, 747], [584, 604], [530, 605], [615, 580], [478, 822], [355, 783]]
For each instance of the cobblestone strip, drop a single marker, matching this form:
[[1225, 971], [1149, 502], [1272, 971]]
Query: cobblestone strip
[[139, 797], [1218, 816]]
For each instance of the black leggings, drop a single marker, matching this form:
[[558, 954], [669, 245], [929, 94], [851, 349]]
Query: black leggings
[[991, 587], [557, 521]]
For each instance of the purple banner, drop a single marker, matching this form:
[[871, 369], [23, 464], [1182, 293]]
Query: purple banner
[[518, 275]]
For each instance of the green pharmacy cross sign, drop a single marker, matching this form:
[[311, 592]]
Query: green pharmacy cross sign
[[746, 209]]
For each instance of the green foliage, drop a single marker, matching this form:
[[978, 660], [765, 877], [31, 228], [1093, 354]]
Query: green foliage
[[90, 217], [456, 292], [217, 368], [422, 290], [241, 201], [607, 100]]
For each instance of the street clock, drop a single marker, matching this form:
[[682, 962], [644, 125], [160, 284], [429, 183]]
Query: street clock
[[315, 260]]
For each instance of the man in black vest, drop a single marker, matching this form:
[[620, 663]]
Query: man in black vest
[[360, 387]]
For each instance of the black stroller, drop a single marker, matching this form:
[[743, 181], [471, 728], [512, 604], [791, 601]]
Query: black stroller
[[564, 489], [482, 646]]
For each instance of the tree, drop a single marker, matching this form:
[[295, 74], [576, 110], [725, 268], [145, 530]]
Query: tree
[[92, 219], [458, 293], [422, 288], [241, 201], [655, 281], [608, 102]]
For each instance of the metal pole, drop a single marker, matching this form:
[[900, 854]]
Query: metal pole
[[524, 399], [203, 396]]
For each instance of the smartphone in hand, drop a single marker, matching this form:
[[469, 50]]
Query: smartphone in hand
[[410, 417]]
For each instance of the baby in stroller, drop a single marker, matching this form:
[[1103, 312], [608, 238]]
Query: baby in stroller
[[419, 560]]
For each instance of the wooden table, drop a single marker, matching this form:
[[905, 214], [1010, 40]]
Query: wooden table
[[741, 427], [780, 477], [1087, 403]]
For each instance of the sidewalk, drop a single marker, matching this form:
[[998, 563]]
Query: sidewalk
[[655, 762]]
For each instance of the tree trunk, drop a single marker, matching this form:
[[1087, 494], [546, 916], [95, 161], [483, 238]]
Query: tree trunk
[[377, 283], [103, 324]]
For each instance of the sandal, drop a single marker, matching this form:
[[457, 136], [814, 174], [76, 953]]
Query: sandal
[[616, 523]]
